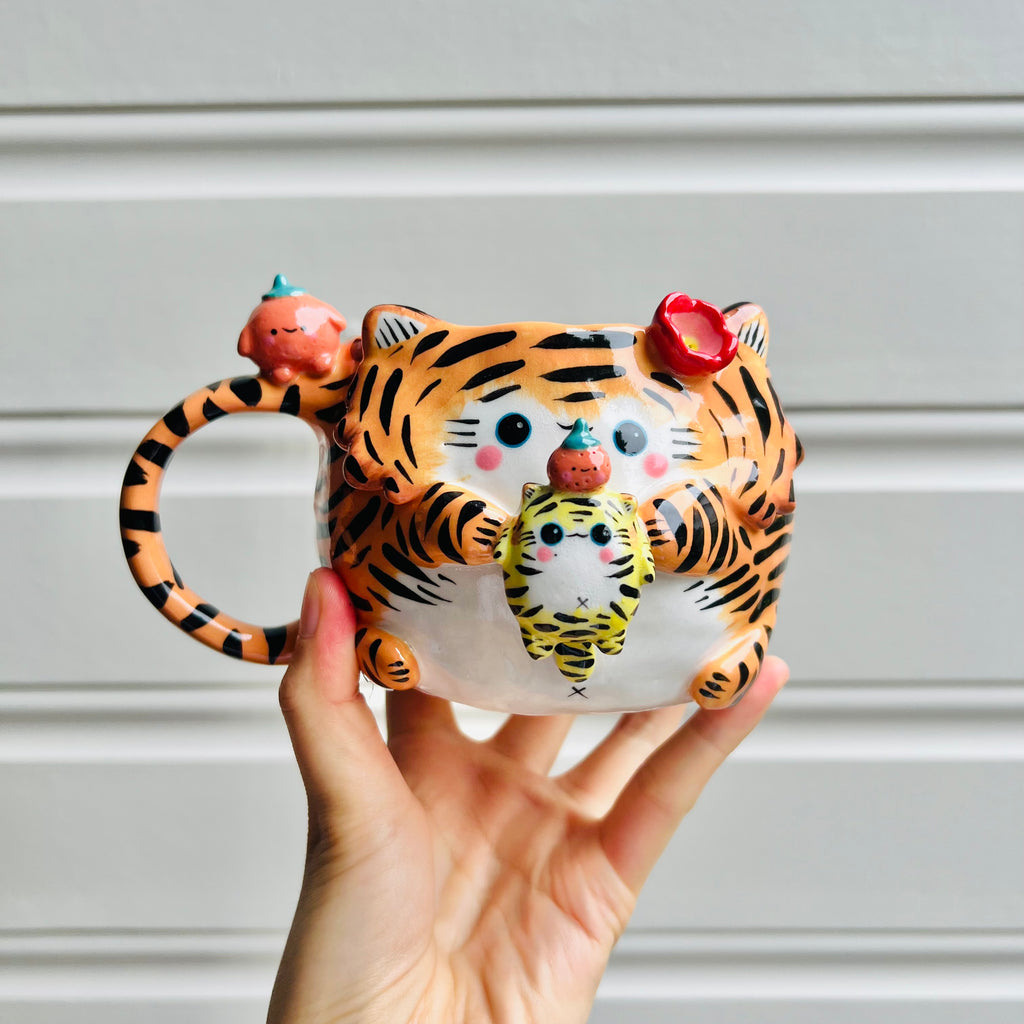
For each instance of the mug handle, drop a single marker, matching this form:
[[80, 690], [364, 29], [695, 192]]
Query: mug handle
[[318, 404]]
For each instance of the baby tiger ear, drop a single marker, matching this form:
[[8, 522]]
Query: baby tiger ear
[[629, 503], [529, 490], [750, 325], [387, 326]]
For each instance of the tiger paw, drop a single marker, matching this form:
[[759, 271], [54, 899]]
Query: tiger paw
[[721, 681], [386, 660]]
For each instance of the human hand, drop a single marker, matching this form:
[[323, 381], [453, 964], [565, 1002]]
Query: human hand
[[450, 881]]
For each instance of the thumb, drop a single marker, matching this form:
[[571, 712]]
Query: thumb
[[345, 764]]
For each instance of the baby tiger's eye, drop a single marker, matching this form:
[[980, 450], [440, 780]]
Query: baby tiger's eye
[[512, 430], [273, 330], [601, 534], [551, 534]]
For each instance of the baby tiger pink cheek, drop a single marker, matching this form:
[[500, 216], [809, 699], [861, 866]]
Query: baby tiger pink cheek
[[655, 464], [545, 554], [489, 457], [606, 554]]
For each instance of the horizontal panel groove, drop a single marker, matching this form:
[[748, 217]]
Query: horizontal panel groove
[[825, 964], [231, 724], [83, 457], [515, 150]]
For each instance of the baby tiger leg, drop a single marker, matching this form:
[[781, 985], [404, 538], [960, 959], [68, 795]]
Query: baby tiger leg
[[575, 660], [722, 680], [612, 643], [385, 659]]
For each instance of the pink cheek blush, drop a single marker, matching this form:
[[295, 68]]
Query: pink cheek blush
[[655, 464], [489, 458], [606, 554], [545, 554]]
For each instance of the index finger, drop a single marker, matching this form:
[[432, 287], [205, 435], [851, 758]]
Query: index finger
[[641, 822]]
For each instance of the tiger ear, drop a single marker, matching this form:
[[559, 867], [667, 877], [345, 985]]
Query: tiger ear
[[529, 490], [750, 325], [387, 326], [629, 503]]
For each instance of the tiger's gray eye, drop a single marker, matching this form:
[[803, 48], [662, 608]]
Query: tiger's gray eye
[[601, 534], [630, 438], [512, 430], [551, 534]]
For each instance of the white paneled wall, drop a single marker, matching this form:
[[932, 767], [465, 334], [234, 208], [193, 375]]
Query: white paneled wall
[[857, 169]]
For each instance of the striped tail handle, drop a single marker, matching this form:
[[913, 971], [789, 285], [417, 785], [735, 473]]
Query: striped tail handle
[[318, 404]]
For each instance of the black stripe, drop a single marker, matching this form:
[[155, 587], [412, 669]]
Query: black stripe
[[490, 373], [726, 397], [291, 402], [467, 513], [737, 592], [367, 390], [764, 417], [232, 645], [401, 469], [372, 652], [353, 471], [212, 411], [249, 391], [627, 591], [201, 615], [370, 449], [158, 593], [360, 603], [588, 340], [134, 475], [501, 391], [581, 396], [515, 592], [584, 374], [331, 414], [131, 547], [730, 579], [669, 382], [360, 522], [775, 399], [153, 451], [427, 342], [780, 466], [673, 520], [407, 440], [140, 519], [444, 542], [437, 507], [781, 541], [394, 587], [402, 564], [426, 391], [176, 421], [696, 546], [473, 347], [387, 399], [276, 636]]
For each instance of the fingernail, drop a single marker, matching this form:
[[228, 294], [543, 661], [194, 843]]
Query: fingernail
[[310, 614]]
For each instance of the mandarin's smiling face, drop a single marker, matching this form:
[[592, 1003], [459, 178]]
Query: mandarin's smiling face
[[292, 334]]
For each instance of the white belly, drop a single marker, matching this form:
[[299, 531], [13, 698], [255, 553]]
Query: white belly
[[470, 650]]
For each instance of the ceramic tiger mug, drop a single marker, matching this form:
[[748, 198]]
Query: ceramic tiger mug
[[530, 517]]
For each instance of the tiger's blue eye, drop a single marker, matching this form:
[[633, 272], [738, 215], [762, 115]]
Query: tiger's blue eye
[[512, 430], [630, 438], [551, 534], [601, 534]]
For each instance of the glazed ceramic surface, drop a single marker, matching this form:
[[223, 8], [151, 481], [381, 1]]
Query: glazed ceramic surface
[[530, 517]]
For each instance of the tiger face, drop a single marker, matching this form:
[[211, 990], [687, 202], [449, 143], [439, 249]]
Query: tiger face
[[484, 407]]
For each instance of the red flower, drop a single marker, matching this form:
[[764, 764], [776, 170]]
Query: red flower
[[691, 336]]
